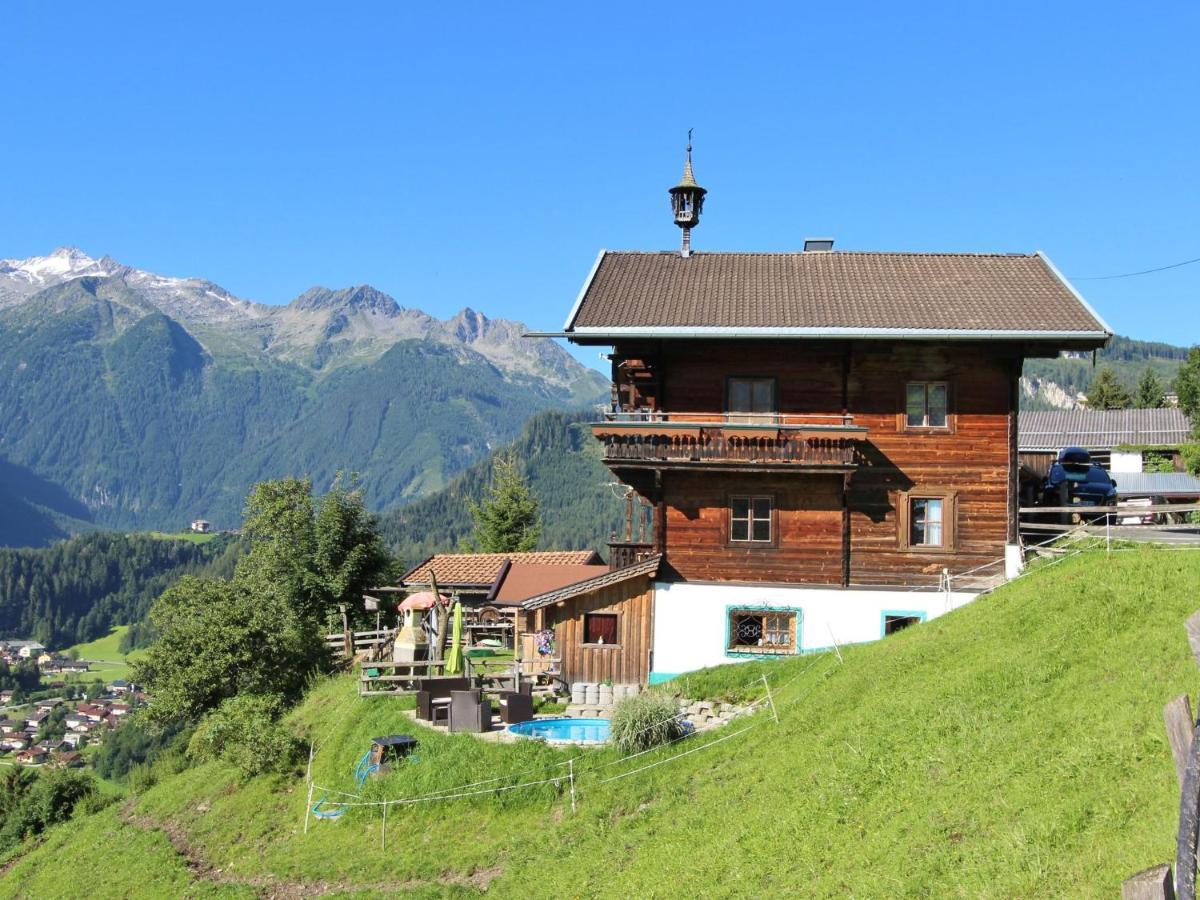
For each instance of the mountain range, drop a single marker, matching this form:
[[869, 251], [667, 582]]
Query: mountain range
[[134, 400]]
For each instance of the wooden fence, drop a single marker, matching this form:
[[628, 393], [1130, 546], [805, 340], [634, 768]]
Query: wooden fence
[[1183, 734]]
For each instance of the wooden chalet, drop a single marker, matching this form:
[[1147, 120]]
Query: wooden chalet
[[815, 441]]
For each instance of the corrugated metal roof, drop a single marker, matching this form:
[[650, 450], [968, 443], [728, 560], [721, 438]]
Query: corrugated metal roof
[[1102, 429], [1157, 484], [643, 567], [839, 291]]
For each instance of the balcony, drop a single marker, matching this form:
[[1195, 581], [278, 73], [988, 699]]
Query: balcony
[[767, 440]]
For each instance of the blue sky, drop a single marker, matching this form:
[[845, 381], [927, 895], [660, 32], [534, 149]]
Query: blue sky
[[479, 155]]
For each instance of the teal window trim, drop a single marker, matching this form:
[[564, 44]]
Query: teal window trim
[[908, 613], [763, 607]]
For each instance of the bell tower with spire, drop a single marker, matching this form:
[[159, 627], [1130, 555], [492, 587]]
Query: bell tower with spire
[[687, 199]]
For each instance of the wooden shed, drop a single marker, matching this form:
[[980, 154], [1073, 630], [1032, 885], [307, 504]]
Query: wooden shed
[[603, 626]]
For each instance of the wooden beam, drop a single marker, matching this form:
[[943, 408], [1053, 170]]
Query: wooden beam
[[1149, 884], [1192, 627], [1177, 716]]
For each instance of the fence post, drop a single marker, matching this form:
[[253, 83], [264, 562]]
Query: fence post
[[946, 581], [771, 700], [308, 806], [1149, 884], [1108, 534], [571, 775], [383, 830]]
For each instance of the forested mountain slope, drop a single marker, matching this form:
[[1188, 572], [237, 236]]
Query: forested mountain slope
[[579, 502], [1055, 383], [78, 589], [146, 402]]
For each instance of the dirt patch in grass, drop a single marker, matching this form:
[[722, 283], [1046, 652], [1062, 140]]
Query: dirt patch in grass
[[272, 886]]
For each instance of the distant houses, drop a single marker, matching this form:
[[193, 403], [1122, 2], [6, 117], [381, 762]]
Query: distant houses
[[201, 526]]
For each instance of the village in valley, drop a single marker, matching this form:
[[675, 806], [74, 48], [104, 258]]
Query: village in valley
[[836, 538]]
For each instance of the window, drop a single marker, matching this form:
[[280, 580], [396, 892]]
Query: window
[[762, 631], [750, 520], [926, 519], [600, 628], [893, 622], [926, 405], [751, 400]]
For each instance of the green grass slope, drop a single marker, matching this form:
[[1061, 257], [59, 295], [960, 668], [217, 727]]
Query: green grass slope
[[104, 654], [1013, 748]]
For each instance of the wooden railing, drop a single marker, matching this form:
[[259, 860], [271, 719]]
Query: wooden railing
[[349, 644], [717, 445], [626, 553], [782, 420]]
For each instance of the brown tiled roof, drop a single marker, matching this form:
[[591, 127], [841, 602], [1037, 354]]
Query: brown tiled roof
[[834, 293], [481, 569], [1102, 429], [525, 580], [616, 576]]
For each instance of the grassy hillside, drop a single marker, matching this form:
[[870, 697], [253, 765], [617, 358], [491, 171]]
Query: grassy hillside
[[108, 662], [1012, 748]]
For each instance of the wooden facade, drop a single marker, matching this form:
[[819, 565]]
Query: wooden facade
[[626, 661], [838, 519]]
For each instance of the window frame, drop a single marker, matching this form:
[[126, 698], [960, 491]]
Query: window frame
[[771, 417], [949, 500], [750, 543], [902, 416], [583, 630], [795, 630], [919, 614]]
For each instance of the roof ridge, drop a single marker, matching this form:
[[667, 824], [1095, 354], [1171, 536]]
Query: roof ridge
[[987, 254]]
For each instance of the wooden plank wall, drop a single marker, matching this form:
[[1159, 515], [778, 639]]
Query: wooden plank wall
[[807, 525], [973, 460], [626, 663]]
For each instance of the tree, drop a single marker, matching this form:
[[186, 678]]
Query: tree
[[318, 555], [259, 633], [1187, 386], [1149, 390], [507, 520], [1106, 392], [220, 639]]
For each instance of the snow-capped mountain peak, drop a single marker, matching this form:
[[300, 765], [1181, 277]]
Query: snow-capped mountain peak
[[63, 264]]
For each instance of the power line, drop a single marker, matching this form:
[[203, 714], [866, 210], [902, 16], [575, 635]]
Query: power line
[[1186, 262]]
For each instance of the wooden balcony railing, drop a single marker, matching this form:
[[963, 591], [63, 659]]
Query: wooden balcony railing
[[796, 449], [650, 437], [626, 553]]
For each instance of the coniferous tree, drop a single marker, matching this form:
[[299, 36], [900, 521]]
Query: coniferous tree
[[507, 520], [1106, 392], [1149, 390]]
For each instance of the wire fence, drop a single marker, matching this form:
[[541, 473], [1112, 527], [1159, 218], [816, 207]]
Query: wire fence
[[1063, 546]]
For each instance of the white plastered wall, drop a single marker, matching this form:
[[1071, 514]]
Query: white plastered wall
[[691, 620]]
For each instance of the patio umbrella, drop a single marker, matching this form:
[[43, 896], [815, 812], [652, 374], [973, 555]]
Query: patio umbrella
[[454, 660]]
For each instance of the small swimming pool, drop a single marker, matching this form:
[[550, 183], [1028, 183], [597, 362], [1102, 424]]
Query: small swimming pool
[[565, 731]]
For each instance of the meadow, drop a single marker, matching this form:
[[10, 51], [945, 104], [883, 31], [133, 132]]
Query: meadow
[[1014, 747]]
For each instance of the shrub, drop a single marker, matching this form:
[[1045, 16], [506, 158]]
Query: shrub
[[245, 732], [645, 721]]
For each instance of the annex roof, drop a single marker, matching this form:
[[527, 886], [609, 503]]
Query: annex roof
[[480, 569], [525, 580], [1169, 485], [615, 576], [832, 294], [1102, 429]]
